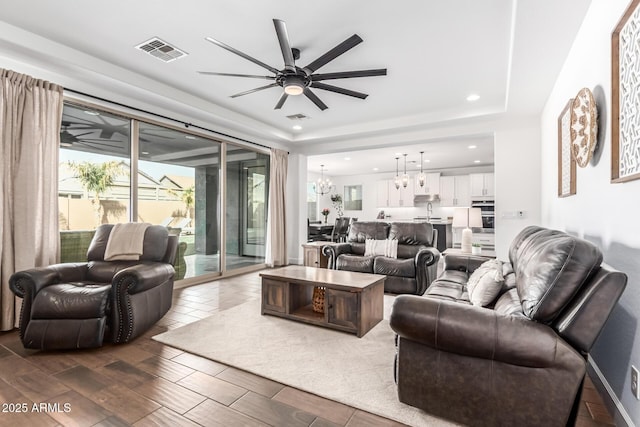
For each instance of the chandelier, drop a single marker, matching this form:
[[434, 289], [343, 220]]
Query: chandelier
[[323, 186], [422, 177]]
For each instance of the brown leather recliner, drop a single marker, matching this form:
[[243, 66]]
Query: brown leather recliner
[[521, 360], [78, 305], [410, 273]]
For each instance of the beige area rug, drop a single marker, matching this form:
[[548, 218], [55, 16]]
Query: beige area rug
[[338, 366]]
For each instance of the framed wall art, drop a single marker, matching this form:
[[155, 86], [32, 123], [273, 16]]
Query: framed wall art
[[625, 90], [353, 197], [566, 162]]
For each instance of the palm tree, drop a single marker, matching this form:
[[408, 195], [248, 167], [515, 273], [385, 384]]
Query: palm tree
[[187, 196], [96, 178]]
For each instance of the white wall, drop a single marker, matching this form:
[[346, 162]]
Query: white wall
[[604, 213], [517, 177]]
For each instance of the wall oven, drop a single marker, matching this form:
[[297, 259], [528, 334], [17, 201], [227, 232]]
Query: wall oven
[[487, 208]]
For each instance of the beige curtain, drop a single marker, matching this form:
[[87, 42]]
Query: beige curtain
[[276, 251], [30, 117]]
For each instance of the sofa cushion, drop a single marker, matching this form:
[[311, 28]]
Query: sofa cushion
[[412, 233], [448, 290], [357, 263], [360, 231], [550, 268], [386, 247], [485, 283], [394, 267]]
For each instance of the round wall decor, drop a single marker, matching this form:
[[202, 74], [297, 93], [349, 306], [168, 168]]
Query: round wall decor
[[584, 127]]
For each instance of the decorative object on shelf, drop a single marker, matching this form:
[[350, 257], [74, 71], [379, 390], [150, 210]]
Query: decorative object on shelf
[[380, 215], [325, 213], [323, 186], [476, 249], [422, 178], [336, 199], [317, 303], [583, 127], [625, 89], [467, 218], [405, 177], [396, 180], [566, 162]]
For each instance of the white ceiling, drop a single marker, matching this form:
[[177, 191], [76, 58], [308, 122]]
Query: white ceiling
[[436, 52]]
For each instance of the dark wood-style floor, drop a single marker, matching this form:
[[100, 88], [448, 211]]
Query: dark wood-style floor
[[145, 383]]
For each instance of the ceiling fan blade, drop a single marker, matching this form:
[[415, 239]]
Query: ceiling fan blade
[[241, 54], [247, 92], [253, 76], [312, 96], [349, 43], [349, 74], [339, 90], [285, 46], [280, 103]]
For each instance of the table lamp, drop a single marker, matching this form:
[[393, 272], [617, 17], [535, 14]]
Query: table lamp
[[467, 218]]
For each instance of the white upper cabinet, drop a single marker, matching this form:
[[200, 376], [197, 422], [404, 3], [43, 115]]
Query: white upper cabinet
[[454, 191], [482, 185], [431, 185]]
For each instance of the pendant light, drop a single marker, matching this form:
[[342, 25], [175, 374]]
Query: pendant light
[[405, 177], [422, 177], [396, 180]]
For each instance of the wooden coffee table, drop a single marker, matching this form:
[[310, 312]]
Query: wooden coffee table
[[353, 301]]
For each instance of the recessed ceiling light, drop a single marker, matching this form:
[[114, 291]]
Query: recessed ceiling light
[[296, 127], [427, 160], [476, 161], [375, 169], [347, 158], [398, 154], [92, 113], [190, 137], [473, 97], [145, 152], [471, 147]]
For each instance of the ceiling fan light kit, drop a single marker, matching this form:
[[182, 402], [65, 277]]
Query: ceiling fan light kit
[[295, 80]]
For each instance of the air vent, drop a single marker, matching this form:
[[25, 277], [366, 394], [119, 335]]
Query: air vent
[[161, 50], [298, 116]]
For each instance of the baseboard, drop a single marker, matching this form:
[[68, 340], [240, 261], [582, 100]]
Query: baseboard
[[610, 399]]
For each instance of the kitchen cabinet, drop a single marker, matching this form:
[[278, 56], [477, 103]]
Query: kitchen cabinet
[[382, 194], [481, 185], [431, 184], [390, 196], [454, 191]]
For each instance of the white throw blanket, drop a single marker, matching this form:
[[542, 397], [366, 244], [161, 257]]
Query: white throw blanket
[[126, 242]]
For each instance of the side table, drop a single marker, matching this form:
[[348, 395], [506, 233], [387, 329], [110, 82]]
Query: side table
[[485, 253], [313, 256]]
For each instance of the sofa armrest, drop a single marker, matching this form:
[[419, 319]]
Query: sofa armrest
[[30, 282], [333, 251], [473, 331], [462, 262], [141, 277], [426, 263]]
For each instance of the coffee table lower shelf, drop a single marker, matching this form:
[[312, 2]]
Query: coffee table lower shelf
[[353, 301]]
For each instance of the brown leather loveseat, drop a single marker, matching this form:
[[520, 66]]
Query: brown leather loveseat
[[78, 305], [411, 272], [520, 360]]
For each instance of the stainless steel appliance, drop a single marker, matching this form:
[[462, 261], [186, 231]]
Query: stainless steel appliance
[[487, 207]]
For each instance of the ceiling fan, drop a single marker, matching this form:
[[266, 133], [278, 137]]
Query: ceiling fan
[[295, 80]]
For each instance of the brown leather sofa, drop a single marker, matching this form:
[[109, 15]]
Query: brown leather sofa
[[413, 269], [521, 360], [78, 305]]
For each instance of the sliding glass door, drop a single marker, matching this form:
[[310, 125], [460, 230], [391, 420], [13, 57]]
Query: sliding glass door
[[115, 168]]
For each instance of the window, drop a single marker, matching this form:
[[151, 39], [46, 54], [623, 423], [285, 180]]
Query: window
[[312, 202], [353, 197], [173, 180]]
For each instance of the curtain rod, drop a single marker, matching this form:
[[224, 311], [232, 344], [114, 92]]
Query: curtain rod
[[186, 124]]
